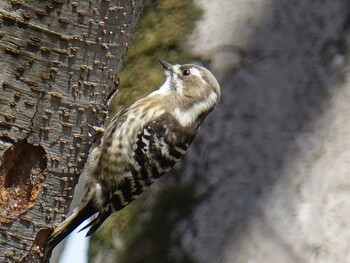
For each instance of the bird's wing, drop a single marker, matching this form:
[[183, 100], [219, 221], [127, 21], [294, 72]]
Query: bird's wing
[[159, 145]]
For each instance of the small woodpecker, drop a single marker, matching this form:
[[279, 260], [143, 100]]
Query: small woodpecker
[[141, 143]]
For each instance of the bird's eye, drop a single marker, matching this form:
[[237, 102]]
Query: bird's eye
[[186, 72]]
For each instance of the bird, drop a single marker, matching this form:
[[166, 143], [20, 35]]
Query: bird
[[140, 144]]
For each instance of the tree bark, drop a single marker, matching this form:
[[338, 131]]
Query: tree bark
[[59, 61]]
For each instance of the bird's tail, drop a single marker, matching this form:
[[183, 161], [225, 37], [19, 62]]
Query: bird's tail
[[65, 228]]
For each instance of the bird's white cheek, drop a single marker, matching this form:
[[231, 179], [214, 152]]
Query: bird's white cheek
[[186, 117]]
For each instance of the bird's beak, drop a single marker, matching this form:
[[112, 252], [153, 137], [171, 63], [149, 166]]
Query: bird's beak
[[166, 66]]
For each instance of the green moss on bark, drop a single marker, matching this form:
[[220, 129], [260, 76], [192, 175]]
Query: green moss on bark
[[149, 236], [161, 33], [143, 232]]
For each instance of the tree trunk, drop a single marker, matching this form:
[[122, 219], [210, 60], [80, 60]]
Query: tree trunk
[[59, 61]]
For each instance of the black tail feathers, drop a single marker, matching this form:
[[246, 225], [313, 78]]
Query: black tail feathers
[[68, 226], [97, 222]]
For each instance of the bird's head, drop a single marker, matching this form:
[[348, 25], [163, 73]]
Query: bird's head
[[194, 89]]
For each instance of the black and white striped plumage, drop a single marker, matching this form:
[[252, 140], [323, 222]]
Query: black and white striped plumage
[[141, 143]]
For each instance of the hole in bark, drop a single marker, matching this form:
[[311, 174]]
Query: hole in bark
[[22, 173]]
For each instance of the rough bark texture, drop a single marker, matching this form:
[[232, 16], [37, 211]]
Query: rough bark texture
[[273, 161], [59, 62]]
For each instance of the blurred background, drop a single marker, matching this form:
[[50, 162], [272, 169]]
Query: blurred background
[[268, 177]]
